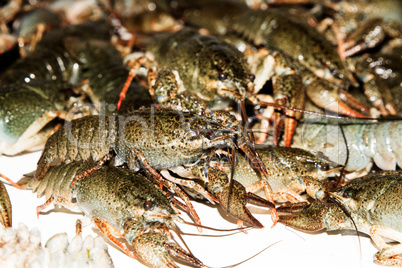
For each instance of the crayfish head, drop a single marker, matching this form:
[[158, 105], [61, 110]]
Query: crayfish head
[[228, 72], [232, 89], [215, 128]]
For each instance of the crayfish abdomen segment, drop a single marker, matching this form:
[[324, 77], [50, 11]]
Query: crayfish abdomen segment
[[81, 139]]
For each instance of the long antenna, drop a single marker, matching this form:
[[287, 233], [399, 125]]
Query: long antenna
[[347, 155], [231, 180], [342, 207]]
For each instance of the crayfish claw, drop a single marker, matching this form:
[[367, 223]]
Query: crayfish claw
[[233, 198], [338, 101], [314, 217], [156, 250]]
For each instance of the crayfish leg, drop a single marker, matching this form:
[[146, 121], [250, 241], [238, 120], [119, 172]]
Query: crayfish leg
[[58, 200], [264, 118], [190, 184], [278, 125], [254, 157], [88, 172], [288, 195], [268, 194], [336, 100], [44, 206], [152, 173], [387, 255], [190, 208], [131, 75], [16, 185], [258, 201]]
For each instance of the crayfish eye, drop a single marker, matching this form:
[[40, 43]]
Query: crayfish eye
[[223, 76], [148, 205], [347, 193], [209, 134], [325, 167], [251, 77]]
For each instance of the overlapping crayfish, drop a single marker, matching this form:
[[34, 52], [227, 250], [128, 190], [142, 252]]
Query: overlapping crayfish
[[143, 107]]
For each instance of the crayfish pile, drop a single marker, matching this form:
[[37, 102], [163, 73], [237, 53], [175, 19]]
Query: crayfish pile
[[144, 114]]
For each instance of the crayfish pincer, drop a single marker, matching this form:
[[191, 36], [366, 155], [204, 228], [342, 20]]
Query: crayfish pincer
[[155, 248], [149, 137]]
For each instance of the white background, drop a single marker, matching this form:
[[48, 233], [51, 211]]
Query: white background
[[294, 249]]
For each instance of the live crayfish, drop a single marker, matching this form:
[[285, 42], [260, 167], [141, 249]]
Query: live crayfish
[[124, 204], [75, 54], [373, 203], [292, 171], [217, 74], [268, 27], [39, 88], [181, 137]]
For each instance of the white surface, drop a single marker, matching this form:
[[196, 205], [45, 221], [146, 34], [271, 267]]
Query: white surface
[[295, 249]]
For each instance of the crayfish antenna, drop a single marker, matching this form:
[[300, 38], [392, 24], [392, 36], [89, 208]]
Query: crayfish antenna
[[333, 197], [278, 106], [240, 229], [252, 257]]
